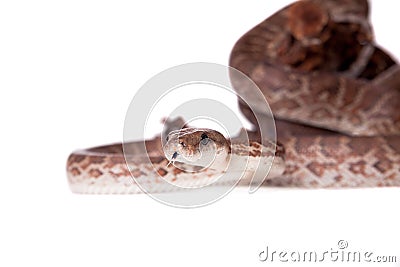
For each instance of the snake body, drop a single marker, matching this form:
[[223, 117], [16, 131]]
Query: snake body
[[335, 90], [334, 93]]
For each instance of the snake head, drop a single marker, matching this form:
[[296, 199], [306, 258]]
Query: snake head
[[197, 146]]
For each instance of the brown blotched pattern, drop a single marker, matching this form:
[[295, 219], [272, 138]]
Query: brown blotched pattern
[[103, 170], [319, 68], [339, 161], [317, 64]]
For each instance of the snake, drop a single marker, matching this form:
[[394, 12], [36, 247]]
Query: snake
[[335, 98]]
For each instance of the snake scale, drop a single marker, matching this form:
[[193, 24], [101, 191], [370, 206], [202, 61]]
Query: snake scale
[[334, 94]]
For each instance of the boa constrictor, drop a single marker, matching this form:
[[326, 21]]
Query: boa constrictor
[[335, 96]]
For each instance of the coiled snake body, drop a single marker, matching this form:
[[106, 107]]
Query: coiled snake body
[[334, 93]]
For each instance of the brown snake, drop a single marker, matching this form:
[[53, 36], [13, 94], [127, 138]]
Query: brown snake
[[334, 94]]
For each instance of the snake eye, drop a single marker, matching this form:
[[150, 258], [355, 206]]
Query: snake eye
[[183, 144], [204, 139], [167, 138]]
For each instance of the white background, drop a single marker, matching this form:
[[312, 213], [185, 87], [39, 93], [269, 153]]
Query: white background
[[69, 69]]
